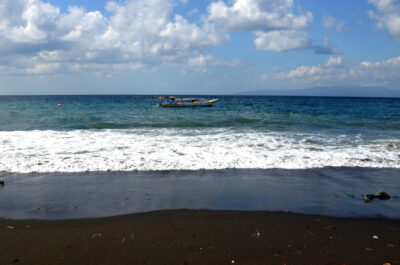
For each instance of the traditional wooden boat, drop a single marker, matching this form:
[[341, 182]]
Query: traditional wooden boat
[[186, 102]]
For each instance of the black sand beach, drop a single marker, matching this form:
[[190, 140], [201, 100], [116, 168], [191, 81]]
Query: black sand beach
[[56, 218], [202, 237], [334, 192]]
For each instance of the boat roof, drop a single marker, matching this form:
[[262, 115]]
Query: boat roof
[[180, 98]]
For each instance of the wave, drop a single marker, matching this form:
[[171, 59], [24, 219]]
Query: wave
[[188, 149]]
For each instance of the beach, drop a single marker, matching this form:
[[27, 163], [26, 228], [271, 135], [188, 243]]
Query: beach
[[336, 192], [86, 218], [202, 237], [182, 132], [255, 180]]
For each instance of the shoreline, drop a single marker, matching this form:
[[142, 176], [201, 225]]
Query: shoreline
[[202, 237], [334, 192]]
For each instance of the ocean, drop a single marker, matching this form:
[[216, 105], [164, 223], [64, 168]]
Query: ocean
[[125, 133], [347, 145]]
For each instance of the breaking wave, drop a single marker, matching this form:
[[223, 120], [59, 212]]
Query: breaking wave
[[188, 149]]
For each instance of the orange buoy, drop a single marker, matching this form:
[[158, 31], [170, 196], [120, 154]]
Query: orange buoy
[[59, 105]]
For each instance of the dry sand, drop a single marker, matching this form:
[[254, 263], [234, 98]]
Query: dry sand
[[201, 237]]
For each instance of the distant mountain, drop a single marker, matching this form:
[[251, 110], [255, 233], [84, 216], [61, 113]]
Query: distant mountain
[[329, 92]]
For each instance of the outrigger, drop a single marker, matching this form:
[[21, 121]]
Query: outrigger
[[186, 102]]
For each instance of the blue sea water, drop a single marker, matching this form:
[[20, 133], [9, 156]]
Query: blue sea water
[[124, 133], [113, 155]]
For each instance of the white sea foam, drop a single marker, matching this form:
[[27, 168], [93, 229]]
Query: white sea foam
[[166, 149]]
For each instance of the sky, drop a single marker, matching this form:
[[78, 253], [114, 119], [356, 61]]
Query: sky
[[196, 46]]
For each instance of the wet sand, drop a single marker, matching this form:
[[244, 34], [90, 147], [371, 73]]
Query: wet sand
[[201, 237], [334, 192]]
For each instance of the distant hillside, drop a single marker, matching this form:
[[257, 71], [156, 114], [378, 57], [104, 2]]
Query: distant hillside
[[329, 92]]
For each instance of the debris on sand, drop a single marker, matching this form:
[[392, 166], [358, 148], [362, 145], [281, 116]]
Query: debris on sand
[[257, 234], [96, 235], [382, 195]]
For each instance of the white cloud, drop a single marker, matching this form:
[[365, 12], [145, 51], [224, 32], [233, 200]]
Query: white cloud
[[35, 35], [24, 21], [258, 15], [276, 23], [282, 40], [78, 25], [331, 22], [334, 61], [387, 16], [148, 28], [200, 61], [203, 60], [46, 68], [336, 71]]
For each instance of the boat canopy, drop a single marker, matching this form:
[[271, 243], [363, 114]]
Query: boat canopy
[[180, 98]]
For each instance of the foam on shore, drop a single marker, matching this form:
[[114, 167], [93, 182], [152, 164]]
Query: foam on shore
[[188, 149]]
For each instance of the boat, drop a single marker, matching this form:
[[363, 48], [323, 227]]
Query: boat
[[186, 102]]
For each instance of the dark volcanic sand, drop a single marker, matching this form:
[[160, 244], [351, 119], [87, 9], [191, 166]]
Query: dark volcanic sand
[[322, 191], [201, 237]]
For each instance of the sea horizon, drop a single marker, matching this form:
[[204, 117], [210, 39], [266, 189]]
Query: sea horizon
[[193, 95], [199, 132]]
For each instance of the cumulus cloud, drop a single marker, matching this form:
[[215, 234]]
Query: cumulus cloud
[[200, 61], [387, 16], [337, 71], [24, 21], [36, 37], [282, 40], [331, 22], [153, 31], [276, 24], [204, 60], [258, 15]]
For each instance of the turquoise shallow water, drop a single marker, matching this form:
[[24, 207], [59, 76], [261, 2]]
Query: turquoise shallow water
[[355, 115], [103, 133]]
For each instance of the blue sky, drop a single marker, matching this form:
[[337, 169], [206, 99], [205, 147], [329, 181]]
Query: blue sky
[[196, 47]]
